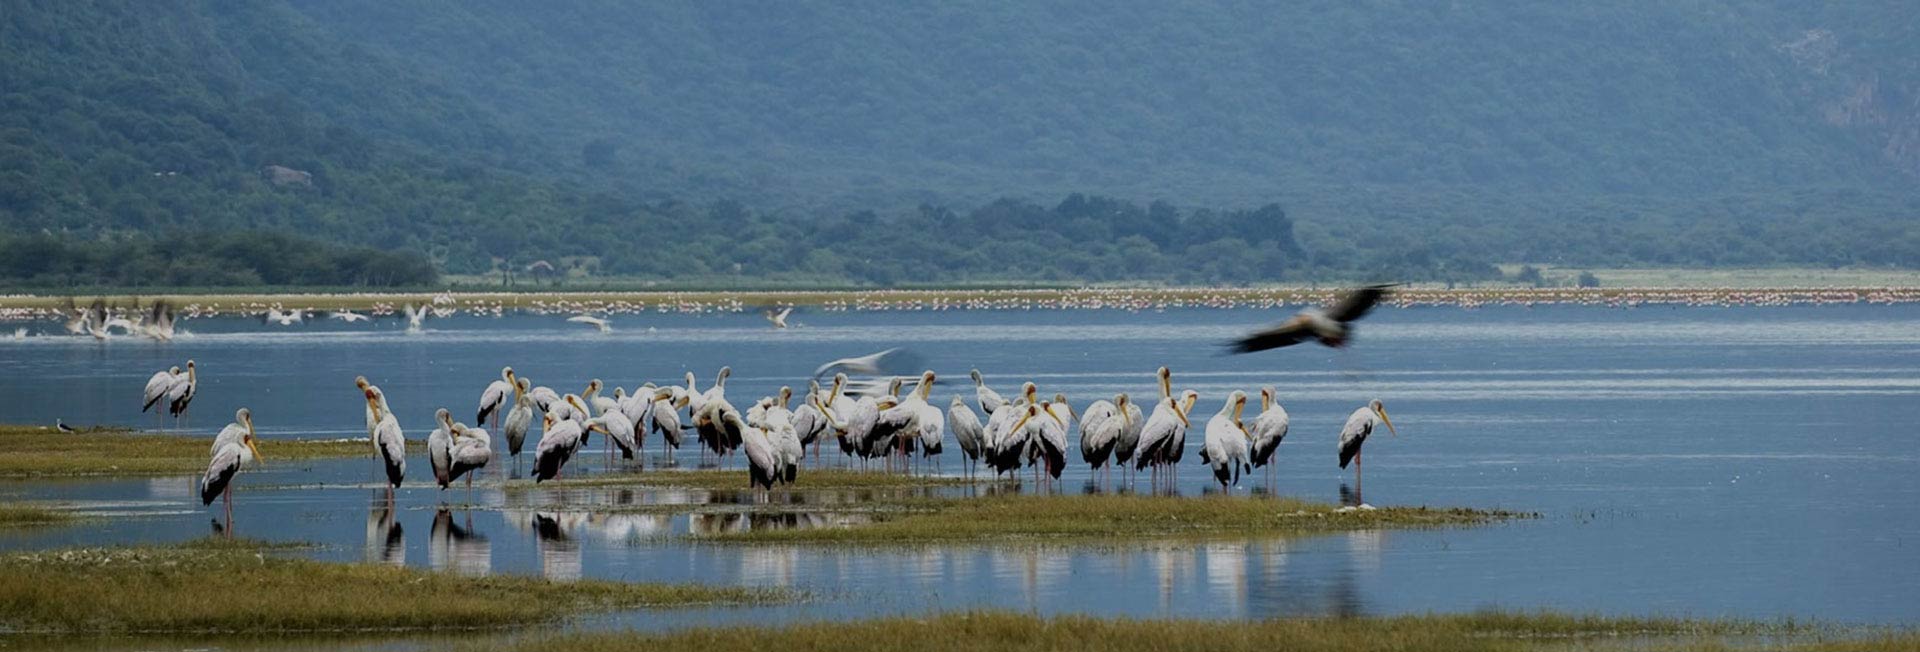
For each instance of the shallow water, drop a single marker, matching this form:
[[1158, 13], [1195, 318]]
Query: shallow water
[[1752, 462]]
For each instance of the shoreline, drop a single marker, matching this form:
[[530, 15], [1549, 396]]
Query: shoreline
[[446, 304]]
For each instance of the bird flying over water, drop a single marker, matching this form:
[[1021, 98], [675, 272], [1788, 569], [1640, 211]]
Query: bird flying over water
[[1330, 325], [603, 325]]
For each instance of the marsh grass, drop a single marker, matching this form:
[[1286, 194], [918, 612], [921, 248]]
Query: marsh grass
[[970, 631], [27, 451], [1110, 518], [15, 515], [723, 479], [242, 587]]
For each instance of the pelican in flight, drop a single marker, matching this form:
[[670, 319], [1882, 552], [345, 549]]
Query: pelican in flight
[[1354, 434], [1330, 325], [1227, 440], [990, 401], [347, 316], [495, 396], [283, 318], [602, 325], [414, 317], [779, 317], [870, 364], [228, 456], [387, 437], [519, 419], [159, 320], [1267, 431]]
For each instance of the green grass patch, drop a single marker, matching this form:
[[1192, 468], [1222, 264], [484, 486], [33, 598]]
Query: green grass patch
[[1075, 518], [807, 479], [14, 515], [241, 587], [983, 631], [28, 451]]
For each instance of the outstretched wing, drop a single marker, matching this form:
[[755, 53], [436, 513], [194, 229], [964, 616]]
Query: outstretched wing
[[1358, 302], [1287, 333]]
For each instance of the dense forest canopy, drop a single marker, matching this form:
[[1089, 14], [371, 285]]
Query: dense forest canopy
[[884, 143]]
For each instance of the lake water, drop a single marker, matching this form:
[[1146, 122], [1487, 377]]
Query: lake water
[[1753, 462]]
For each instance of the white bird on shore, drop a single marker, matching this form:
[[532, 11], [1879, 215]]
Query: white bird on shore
[[1100, 429], [440, 448], [602, 325], [1225, 447], [519, 419], [560, 440], [157, 387], [388, 439], [990, 401], [495, 396], [472, 450], [1354, 434], [1268, 429], [227, 459], [180, 395], [966, 430]]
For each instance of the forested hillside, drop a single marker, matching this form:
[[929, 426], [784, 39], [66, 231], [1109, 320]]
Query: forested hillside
[[890, 143]]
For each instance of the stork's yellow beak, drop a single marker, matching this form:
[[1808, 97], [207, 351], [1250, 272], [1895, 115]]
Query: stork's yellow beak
[[257, 458], [1389, 422]]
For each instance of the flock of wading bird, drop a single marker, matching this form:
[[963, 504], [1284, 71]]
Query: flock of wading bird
[[869, 420]]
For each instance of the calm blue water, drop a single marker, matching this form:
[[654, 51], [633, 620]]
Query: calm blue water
[[1701, 461]]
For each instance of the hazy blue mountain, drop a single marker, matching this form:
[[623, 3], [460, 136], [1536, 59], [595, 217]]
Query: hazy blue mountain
[[1424, 136]]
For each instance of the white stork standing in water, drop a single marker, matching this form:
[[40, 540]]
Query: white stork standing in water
[[990, 401], [560, 440], [1100, 429], [472, 450], [1165, 432], [519, 419], [387, 438], [966, 430], [1354, 434], [1268, 429], [440, 448], [180, 395], [1225, 447], [157, 387], [495, 396], [227, 459]]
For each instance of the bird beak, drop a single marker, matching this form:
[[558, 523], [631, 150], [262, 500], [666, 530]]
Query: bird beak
[[1022, 423], [683, 402], [546, 421], [1389, 422], [1166, 385], [257, 459]]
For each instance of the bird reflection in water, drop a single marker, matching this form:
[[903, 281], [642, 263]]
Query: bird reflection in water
[[560, 553], [457, 547], [386, 542]]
